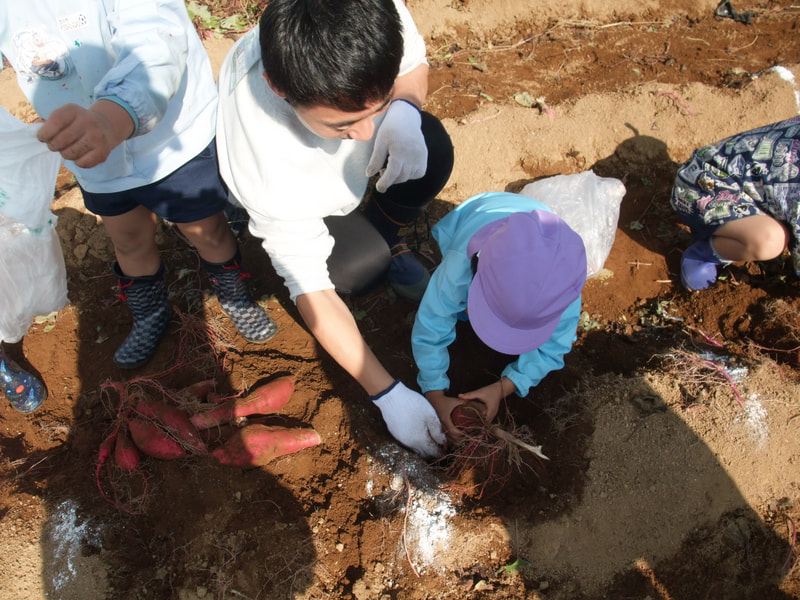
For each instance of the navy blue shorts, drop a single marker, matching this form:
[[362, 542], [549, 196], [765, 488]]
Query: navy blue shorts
[[193, 192]]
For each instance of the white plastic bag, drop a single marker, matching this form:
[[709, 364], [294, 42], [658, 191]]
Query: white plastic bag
[[33, 278], [587, 203]]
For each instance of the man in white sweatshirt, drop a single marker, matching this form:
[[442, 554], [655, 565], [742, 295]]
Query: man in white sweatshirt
[[316, 100]]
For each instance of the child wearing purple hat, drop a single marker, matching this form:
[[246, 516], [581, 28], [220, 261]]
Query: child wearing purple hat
[[515, 270], [741, 200]]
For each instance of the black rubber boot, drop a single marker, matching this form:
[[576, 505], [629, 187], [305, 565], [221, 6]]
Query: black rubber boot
[[147, 298], [229, 283]]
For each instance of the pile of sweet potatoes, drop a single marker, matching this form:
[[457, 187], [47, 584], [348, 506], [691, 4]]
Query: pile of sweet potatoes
[[166, 431]]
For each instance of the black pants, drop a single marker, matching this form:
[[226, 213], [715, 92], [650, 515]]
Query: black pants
[[361, 253]]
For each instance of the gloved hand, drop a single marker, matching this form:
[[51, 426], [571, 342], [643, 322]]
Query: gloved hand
[[411, 419], [400, 138]]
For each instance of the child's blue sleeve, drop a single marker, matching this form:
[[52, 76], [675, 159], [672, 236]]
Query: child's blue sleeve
[[435, 324], [150, 43], [530, 368]]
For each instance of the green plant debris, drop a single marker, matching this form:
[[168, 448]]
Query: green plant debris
[[587, 324], [512, 568], [39, 320], [604, 275], [200, 13], [525, 99], [662, 310], [635, 225]]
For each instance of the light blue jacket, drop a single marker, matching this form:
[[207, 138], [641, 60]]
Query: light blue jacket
[[446, 298], [144, 55]]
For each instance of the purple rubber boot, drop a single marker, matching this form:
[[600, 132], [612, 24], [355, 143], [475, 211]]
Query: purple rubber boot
[[699, 266]]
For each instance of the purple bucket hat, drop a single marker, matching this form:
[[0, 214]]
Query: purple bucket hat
[[531, 267]]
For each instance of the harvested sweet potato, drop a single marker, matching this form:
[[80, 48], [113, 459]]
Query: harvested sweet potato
[[469, 415], [154, 441], [125, 453], [175, 420], [256, 445], [264, 400]]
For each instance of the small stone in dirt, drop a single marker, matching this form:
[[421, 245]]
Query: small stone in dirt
[[201, 591], [648, 403]]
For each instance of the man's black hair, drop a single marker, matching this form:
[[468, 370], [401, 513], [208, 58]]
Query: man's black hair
[[344, 54]]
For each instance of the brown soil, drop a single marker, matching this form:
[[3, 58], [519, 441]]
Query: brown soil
[[665, 479]]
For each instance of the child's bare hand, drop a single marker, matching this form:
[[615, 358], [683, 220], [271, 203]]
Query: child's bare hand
[[491, 395], [86, 136], [444, 405]]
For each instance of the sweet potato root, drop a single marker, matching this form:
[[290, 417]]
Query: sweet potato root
[[125, 453], [470, 418], [174, 419], [154, 441], [264, 400], [256, 445], [201, 389], [106, 450]]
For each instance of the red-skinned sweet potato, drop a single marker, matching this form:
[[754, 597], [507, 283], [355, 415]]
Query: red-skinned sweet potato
[[256, 445], [125, 453], [175, 420], [469, 415], [264, 400], [154, 441]]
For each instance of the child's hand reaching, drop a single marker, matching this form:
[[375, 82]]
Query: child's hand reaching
[[491, 395], [86, 136], [444, 405]]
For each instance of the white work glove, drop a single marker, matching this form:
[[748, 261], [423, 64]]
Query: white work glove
[[400, 138], [411, 420]]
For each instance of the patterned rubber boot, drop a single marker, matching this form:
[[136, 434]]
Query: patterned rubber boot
[[699, 266], [229, 283], [408, 277], [23, 390], [146, 296]]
